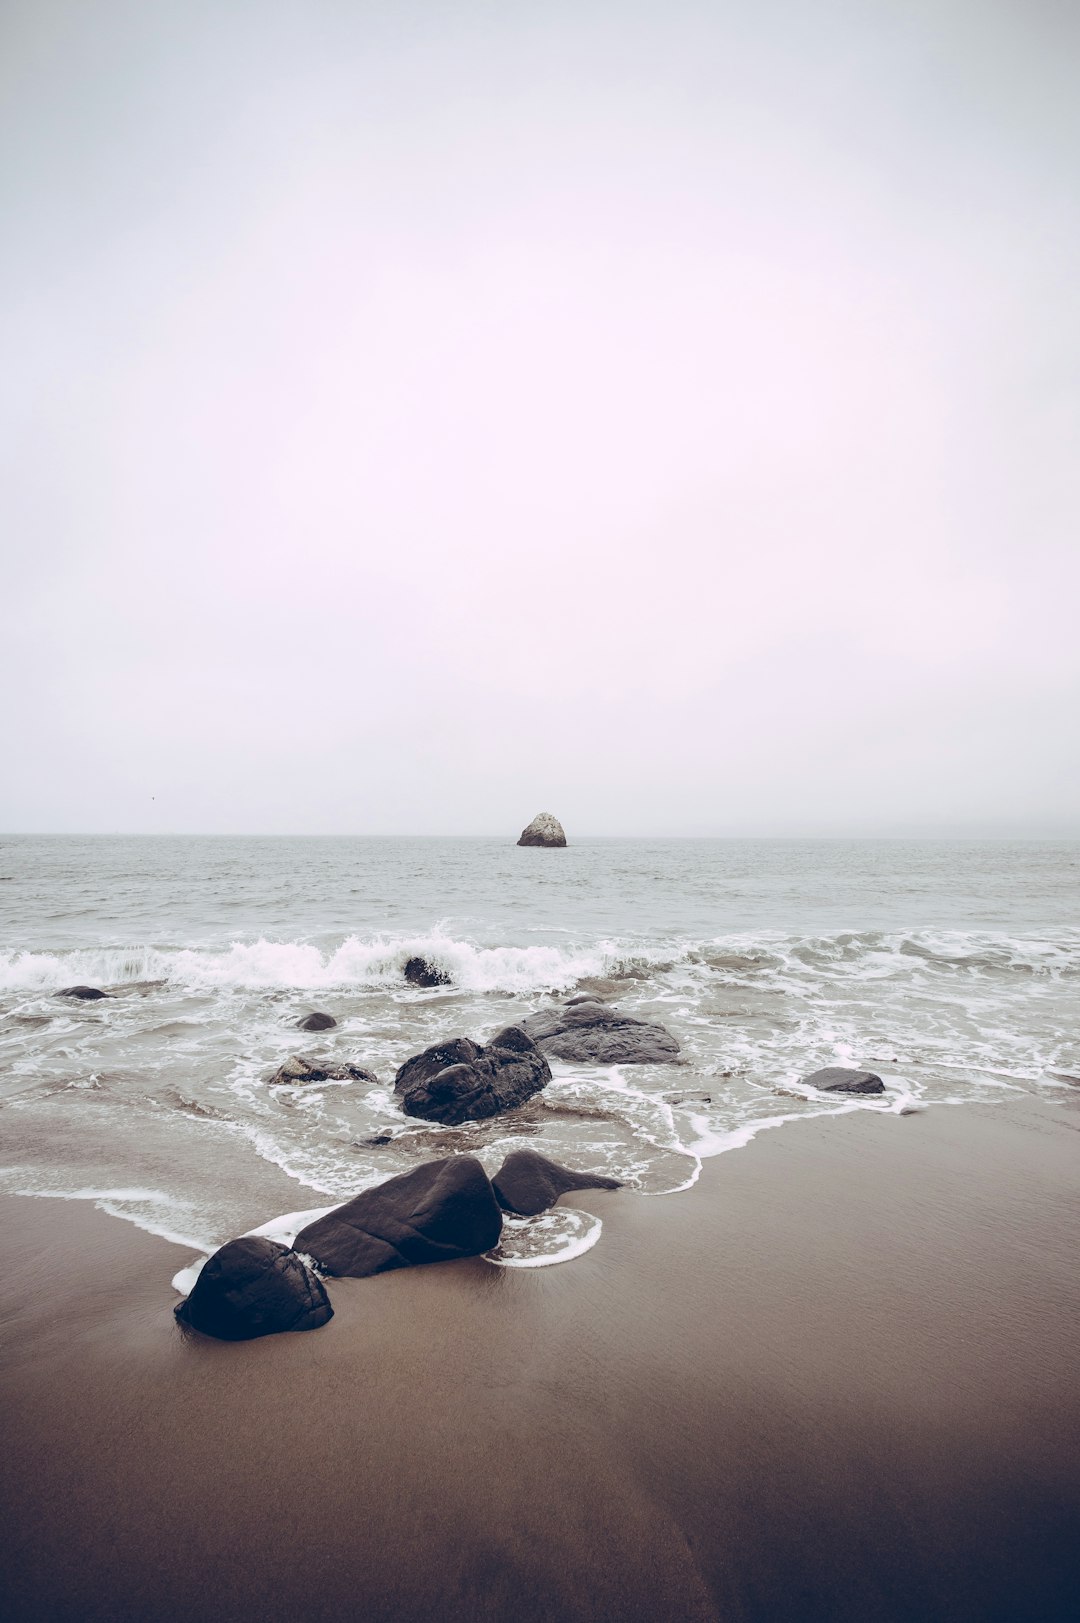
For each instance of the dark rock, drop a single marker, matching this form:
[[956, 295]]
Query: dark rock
[[298, 1070], [317, 1021], [443, 1209], [418, 972], [597, 1033], [528, 1183], [255, 1287], [461, 1081], [543, 830], [841, 1079], [87, 994]]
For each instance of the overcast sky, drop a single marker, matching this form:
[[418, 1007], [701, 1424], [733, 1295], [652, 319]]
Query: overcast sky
[[415, 415]]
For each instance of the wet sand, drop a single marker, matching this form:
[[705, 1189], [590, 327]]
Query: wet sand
[[836, 1380]]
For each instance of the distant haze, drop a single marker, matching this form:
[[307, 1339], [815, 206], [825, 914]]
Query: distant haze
[[419, 415]]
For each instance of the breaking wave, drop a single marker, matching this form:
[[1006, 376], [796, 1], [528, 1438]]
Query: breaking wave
[[356, 964]]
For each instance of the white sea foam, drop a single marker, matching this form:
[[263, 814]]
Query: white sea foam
[[285, 1228], [184, 1281], [299, 966], [558, 1235], [149, 1209]]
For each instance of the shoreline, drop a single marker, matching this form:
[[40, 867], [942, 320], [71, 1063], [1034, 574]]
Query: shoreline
[[835, 1379]]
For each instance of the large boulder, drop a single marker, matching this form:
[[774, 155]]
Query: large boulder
[[842, 1079], [418, 972], [85, 994], [595, 1033], [461, 1081], [528, 1183], [299, 1069], [317, 1021], [543, 830], [443, 1209], [255, 1287]]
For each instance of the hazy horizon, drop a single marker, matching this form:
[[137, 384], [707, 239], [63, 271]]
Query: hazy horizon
[[894, 836], [417, 416]]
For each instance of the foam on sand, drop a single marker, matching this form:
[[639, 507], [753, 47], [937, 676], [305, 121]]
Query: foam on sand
[[557, 1235]]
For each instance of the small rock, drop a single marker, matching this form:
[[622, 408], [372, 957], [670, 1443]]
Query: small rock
[[87, 994], [255, 1287], [543, 830], [317, 1021], [298, 1070], [418, 972], [842, 1079], [528, 1183]]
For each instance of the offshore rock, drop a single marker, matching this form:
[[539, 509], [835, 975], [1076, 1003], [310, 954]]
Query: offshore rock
[[316, 1021], [298, 1070], [439, 1211], [255, 1287], [528, 1183], [87, 994], [418, 972], [543, 830], [461, 1081], [842, 1079], [595, 1033]]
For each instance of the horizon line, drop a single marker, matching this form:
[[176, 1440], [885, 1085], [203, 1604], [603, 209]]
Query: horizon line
[[296, 834]]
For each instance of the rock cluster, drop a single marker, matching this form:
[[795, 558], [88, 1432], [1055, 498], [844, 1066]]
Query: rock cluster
[[440, 1211], [543, 830], [591, 1032], [460, 1080]]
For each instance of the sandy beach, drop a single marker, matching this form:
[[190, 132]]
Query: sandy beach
[[836, 1380]]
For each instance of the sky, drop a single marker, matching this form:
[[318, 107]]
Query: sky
[[415, 415]]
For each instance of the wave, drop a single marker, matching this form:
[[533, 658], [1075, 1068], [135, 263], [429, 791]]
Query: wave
[[356, 964], [299, 966]]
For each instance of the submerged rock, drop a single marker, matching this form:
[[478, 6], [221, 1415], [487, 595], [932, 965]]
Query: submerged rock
[[597, 1033], [255, 1287], [528, 1182], [543, 830], [461, 1081], [418, 972], [317, 1021], [442, 1210], [842, 1079], [87, 994], [298, 1070]]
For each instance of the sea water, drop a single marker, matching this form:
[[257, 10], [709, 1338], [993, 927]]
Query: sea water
[[950, 968]]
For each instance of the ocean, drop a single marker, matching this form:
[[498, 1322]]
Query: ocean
[[951, 968]]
